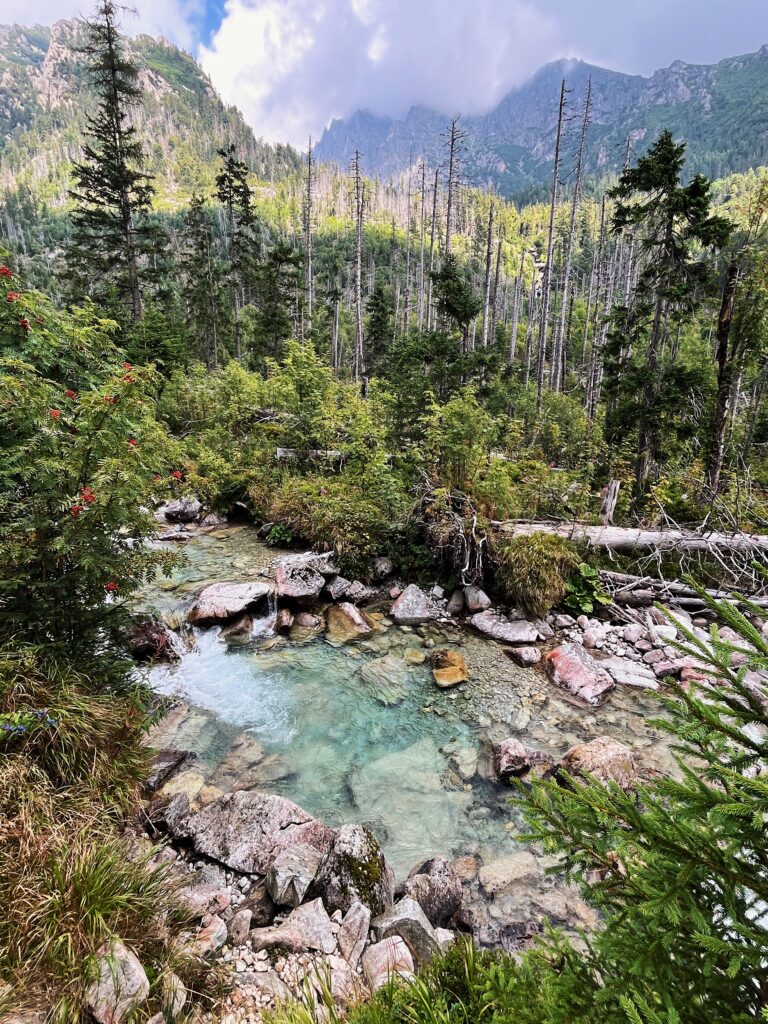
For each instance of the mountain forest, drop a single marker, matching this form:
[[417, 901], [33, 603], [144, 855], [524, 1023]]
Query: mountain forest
[[383, 531]]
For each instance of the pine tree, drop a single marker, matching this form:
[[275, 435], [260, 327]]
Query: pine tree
[[236, 196], [677, 867], [674, 222], [203, 286], [111, 236]]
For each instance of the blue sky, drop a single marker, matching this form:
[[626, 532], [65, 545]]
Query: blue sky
[[293, 65]]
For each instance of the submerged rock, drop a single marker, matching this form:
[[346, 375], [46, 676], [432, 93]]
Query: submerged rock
[[354, 870], [345, 623], [525, 657], [239, 630], [512, 758], [604, 758], [120, 987], [449, 668], [413, 607], [388, 677], [221, 601], [247, 831], [509, 631], [572, 669]]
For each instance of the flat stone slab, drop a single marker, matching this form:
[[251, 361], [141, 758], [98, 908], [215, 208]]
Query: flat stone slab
[[509, 631], [572, 669], [630, 673], [221, 601]]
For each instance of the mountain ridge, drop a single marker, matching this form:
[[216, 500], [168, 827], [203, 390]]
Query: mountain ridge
[[718, 108]]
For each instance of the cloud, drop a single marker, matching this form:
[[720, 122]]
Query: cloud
[[293, 65], [177, 20]]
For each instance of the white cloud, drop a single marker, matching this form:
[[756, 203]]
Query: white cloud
[[293, 65], [174, 19]]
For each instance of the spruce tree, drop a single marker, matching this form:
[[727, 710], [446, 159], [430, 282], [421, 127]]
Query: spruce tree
[[203, 287], [236, 196], [677, 235], [677, 867], [111, 234]]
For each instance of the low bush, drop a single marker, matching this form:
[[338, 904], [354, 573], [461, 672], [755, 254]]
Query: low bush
[[533, 572]]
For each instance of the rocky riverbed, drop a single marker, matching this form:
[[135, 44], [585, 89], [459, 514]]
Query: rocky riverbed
[[332, 738]]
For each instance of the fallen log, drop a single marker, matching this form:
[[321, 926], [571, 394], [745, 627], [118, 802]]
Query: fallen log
[[642, 591], [627, 539]]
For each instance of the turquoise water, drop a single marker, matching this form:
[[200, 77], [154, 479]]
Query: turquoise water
[[355, 733]]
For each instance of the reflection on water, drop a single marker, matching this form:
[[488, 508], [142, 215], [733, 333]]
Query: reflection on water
[[301, 719]]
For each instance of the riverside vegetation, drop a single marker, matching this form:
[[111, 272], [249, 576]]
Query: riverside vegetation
[[318, 358]]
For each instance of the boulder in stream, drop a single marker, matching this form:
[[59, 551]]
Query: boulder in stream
[[413, 607], [219, 602], [572, 669], [247, 831], [449, 668], [354, 870], [437, 889], [509, 631], [346, 623], [605, 759], [181, 510]]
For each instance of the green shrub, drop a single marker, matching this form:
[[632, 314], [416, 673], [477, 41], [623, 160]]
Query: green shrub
[[583, 591], [533, 571]]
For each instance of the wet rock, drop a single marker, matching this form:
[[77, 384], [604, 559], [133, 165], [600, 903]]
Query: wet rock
[[630, 673], [306, 620], [181, 510], [510, 631], [165, 764], [382, 567], [386, 960], [416, 775], [221, 601], [449, 668], [292, 873], [436, 888], [604, 758], [413, 607], [456, 603], [526, 657], [283, 620], [353, 933], [121, 985], [238, 630], [505, 872], [239, 926], [298, 581], [312, 923], [414, 656], [572, 669], [388, 677], [345, 623], [354, 871], [247, 831], [476, 599], [408, 920], [152, 641], [337, 587], [358, 593], [511, 758]]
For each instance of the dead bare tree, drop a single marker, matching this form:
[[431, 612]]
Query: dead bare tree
[[455, 142]]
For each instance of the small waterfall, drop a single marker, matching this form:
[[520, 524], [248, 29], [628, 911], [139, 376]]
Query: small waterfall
[[265, 625]]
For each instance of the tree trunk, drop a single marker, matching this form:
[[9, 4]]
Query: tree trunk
[[487, 285], [541, 356], [308, 230], [724, 360]]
